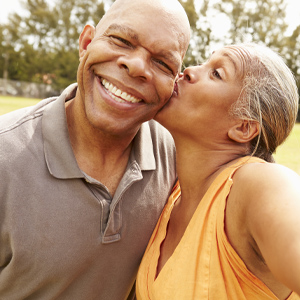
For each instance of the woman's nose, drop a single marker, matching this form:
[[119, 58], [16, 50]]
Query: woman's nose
[[189, 74]]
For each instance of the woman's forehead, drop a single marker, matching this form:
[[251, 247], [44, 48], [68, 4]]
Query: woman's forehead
[[241, 55]]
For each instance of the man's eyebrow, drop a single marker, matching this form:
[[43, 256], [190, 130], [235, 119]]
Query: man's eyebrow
[[170, 57], [124, 29], [132, 34]]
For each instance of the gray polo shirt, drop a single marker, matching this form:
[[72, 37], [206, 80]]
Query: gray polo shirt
[[62, 235]]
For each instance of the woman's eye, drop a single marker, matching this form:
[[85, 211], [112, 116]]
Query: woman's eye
[[217, 74]]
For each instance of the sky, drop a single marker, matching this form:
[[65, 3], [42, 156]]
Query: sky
[[8, 6], [293, 11]]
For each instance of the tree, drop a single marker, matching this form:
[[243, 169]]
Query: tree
[[255, 20], [45, 40], [201, 34]]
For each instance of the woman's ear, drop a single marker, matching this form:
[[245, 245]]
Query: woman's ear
[[244, 131], [85, 38]]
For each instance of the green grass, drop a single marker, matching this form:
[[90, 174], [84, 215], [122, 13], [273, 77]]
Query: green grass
[[9, 103], [287, 154]]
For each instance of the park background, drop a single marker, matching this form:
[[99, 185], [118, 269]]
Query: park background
[[39, 44]]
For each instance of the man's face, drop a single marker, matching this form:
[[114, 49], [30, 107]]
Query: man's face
[[128, 67]]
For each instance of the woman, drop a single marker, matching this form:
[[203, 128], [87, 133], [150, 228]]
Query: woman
[[231, 230]]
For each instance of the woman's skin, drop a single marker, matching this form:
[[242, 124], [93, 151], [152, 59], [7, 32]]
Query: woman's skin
[[262, 215]]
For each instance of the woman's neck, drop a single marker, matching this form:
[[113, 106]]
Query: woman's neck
[[197, 167]]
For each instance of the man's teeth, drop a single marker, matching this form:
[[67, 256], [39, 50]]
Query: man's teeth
[[117, 94]]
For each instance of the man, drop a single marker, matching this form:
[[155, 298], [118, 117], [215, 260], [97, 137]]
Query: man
[[83, 178]]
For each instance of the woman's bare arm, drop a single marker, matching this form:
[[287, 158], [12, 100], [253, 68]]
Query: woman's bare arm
[[272, 214]]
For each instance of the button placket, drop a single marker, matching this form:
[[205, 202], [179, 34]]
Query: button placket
[[114, 224]]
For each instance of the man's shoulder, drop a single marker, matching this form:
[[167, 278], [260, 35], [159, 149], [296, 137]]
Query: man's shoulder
[[154, 145], [160, 133], [21, 134], [162, 141]]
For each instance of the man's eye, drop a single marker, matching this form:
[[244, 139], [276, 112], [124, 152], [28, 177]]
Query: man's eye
[[164, 65], [121, 40]]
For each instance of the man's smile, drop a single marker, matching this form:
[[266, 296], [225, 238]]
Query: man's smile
[[118, 94]]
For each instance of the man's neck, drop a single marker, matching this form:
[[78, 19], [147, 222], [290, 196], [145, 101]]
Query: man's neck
[[100, 155]]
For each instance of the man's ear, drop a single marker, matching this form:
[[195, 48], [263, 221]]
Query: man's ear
[[244, 131], [85, 38]]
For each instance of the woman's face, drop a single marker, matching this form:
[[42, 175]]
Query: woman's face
[[201, 101]]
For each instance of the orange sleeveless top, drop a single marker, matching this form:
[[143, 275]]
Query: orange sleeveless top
[[204, 265]]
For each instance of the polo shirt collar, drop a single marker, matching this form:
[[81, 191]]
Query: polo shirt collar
[[142, 150], [58, 151], [59, 155]]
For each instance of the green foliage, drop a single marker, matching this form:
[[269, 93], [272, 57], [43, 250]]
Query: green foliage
[[200, 31], [42, 46], [63, 69], [255, 20]]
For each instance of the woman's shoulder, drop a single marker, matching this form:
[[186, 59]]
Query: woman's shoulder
[[259, 175], [261, 188]]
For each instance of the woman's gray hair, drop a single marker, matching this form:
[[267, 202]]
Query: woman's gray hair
[[269, 96]]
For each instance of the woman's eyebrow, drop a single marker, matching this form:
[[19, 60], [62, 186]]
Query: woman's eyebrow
[[232, 60], [229, 57]]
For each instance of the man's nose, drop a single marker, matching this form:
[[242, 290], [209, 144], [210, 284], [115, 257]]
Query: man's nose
[[137, 64]]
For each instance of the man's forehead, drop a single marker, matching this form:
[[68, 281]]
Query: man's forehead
[[151, 12], [157, 20], [157, 47]]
